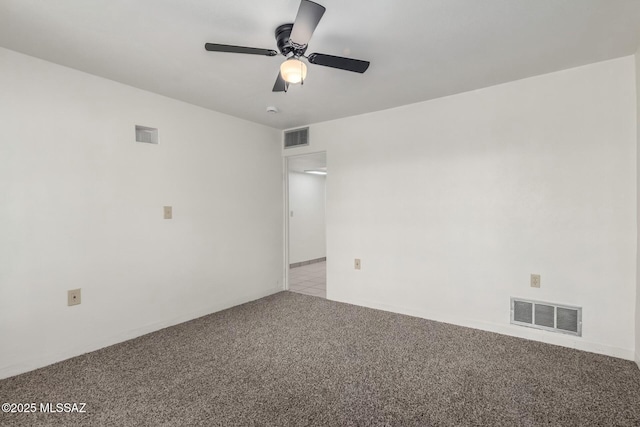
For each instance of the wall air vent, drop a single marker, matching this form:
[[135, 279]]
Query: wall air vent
[[548, 316], [145, 134], [296, 138]]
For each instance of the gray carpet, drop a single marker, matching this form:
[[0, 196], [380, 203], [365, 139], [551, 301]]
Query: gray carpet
[[296, 360]]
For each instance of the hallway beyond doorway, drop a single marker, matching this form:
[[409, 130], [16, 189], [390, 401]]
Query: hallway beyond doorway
[[309, 279]]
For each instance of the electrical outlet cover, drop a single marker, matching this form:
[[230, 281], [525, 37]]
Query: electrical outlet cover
[[535, 280], [74, 297]]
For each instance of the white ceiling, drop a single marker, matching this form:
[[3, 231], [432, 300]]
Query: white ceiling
[[419, 49]]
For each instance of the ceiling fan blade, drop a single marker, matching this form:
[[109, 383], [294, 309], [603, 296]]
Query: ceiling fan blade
[[213, 47], [309, 15], [281, 85], [355, 65]]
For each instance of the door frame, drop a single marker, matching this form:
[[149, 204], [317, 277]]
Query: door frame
[[287, 211]]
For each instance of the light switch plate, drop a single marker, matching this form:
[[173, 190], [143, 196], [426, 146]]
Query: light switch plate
[[357, 264], [168, 212]]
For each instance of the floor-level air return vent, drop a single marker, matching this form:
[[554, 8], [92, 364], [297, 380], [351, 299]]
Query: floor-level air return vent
[[296, 138], [145, 134], [548, 316]]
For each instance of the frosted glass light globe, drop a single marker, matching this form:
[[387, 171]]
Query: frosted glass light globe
[[293, 71]]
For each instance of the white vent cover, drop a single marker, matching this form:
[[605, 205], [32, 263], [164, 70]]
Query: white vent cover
[[145, 134], [548, 316], [296, 138]]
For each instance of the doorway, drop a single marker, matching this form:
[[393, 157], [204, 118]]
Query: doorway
[[306, 226]]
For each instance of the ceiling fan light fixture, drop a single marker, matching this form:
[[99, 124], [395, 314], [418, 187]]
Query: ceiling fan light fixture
[[293, 71], [292, 40]]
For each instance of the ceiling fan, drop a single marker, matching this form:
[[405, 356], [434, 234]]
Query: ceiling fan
[[292, 41]]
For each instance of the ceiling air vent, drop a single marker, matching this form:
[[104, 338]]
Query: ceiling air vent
[[548, 316], [296, 138]]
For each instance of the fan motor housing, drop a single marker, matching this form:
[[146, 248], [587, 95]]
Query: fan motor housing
[[285, 46]]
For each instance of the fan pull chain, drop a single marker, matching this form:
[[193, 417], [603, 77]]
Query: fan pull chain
[[301, 74]]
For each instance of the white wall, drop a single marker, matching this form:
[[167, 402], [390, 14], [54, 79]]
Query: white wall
[[451, 204], [81, 207], [307, 237]]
